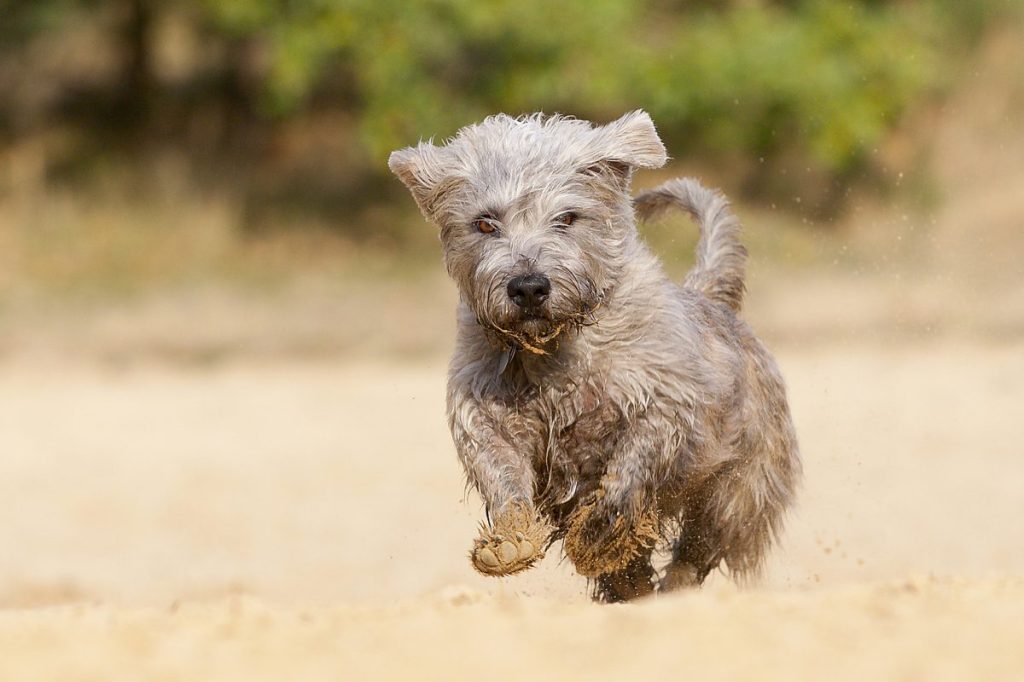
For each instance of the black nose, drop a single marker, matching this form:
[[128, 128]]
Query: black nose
[[529, 291]]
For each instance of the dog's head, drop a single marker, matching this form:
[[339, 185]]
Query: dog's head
[[535, 214]]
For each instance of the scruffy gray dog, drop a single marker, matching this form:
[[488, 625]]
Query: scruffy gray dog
[[590, 398]]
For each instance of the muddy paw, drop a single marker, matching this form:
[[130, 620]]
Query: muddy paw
[[495, 554], [600, 542], [514, 544]]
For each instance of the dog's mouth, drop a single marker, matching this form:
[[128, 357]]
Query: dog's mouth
[[531, 330], [536, 325], [537, 331]]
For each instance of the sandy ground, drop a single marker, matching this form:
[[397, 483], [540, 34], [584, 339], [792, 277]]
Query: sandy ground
[[307, 520]]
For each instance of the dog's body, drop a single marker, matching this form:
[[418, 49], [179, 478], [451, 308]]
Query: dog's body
[[591, 398]]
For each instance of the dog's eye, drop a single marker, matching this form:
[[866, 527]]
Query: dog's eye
[[485, 224], [566, 219]]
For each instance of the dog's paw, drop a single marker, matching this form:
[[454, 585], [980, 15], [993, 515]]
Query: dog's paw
[[496, 554], [600, 541], [514, 543], [680, 575]]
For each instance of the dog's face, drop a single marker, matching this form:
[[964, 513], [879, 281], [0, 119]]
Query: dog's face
[[535, 214]]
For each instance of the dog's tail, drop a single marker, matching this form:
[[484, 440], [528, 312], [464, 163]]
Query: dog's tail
[[721, 258]]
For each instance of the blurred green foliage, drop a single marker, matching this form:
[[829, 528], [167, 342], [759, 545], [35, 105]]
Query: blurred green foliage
[[832, 76], [819, 81]]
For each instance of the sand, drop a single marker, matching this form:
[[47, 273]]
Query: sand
[[292, 519], [914, 630]]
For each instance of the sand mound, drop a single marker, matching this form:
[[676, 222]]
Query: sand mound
[[911, 630]]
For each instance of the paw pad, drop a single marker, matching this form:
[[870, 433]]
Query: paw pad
[[512, 545], [496, 555]]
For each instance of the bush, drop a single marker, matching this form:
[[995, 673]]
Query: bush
[[830, 76], [817, 82]]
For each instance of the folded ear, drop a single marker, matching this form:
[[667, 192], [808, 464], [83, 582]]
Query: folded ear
[[629, 142], [422, 170]]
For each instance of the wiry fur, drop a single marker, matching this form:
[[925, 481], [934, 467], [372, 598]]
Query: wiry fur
[[629, 408]]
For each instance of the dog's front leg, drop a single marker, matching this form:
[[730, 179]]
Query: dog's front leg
[[618, 525], [514, 537]]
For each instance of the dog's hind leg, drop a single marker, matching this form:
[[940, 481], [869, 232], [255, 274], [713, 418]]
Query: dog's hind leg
[[736, 512], [734, 519], [695, 550], [731, 520]]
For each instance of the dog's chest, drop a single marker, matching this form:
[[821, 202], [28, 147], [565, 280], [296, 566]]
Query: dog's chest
[[575, 429]]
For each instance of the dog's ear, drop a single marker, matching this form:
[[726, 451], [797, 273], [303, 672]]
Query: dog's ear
[[422, 170], [627, 143]]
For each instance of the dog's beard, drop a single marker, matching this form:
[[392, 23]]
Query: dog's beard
[[573, 305], [529, 329], [541, 328]]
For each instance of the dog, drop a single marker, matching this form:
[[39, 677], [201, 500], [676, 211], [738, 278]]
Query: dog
[[591, 399]]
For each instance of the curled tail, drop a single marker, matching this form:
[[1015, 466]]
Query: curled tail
[[721, 258]]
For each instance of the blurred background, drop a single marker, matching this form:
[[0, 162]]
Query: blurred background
[[166, 155], [223, 325]]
